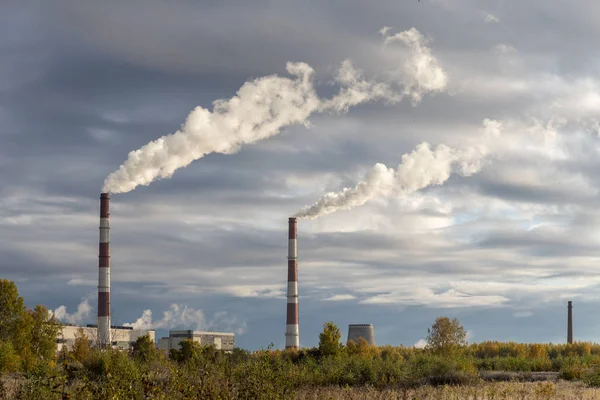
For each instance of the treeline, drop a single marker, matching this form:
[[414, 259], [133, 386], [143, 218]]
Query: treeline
[[32, 370]]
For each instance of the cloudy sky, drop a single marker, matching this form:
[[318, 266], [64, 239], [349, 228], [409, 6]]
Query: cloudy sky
[[502, 248]]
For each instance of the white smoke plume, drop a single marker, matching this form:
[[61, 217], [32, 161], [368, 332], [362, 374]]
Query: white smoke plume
[[423, 72], [83, 311], [182, 316], [419, 169], [262, 107]]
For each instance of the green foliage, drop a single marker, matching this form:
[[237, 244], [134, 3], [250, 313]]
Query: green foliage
[[592, 377], [441, 370], [572, 369], [9, 359], [30, 333], [195, 371], [144, 350], [330, 340], [189, 351], [44, 331], [446, 336], [11, 311], [81, 346]]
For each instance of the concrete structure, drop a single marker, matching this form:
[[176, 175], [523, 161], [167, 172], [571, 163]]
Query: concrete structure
[[104, 334], [221, 340], [292, 329], [123, 337], [570, 323], [365, 331]]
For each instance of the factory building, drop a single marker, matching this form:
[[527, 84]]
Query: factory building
[[221, 340], [123, 337]]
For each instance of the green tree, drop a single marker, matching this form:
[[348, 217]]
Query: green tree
[[81, 347], [330, 340], [446, 336], [188, 350], [12, 310], [144, 350], [44, 331], [9, 359]]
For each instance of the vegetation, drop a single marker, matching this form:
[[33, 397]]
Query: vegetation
[[446, 337], [446, 368]]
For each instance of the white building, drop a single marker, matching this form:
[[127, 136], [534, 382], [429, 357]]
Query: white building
[[123, 337], [221, 340]]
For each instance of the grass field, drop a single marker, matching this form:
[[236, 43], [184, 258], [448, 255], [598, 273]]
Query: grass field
[[561, 390]]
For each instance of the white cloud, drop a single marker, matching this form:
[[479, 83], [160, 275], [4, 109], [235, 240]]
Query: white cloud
[[420, 344], [341, 297], [428, 297], [489, 18]]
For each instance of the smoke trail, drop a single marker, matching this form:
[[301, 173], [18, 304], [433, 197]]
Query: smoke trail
[[83, 311], [261, 108], [419, 169], [180, 315]]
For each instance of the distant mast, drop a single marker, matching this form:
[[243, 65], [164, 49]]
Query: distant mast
[[570, 323]]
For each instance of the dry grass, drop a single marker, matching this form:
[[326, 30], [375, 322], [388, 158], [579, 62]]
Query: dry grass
[[561, 390], [10, 384]]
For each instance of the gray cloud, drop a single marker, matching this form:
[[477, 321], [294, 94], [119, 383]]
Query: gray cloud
[[82, 85]]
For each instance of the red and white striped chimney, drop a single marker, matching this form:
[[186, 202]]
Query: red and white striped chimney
[[104, 339], [292, 332]]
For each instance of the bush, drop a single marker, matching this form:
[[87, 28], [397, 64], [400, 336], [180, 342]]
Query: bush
[[438, 370], [572, 369]]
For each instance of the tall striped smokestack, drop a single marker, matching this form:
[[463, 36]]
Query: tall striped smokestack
[[292, 332], [570, 323], [104, 338]]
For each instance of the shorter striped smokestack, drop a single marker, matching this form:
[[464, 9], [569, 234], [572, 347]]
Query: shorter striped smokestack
[[104, 339], [292, 331], [570, 323]]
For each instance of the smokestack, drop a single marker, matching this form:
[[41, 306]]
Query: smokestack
[[570, 323], [104, 339], [292, 332]]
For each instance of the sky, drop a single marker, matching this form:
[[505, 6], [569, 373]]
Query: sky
[[501, 248]]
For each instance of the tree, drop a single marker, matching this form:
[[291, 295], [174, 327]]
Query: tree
[[144, 350], [446, 336], [81, 347], [330, 340], [189, 350], [44, 330], [12, 310], [362, 348]]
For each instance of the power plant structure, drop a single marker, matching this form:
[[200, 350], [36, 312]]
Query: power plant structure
[[292, 331], [365, 331], [104, 339], [570, 323], [220, 340]]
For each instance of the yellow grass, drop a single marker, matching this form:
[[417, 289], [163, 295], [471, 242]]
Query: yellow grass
[[561, 390]]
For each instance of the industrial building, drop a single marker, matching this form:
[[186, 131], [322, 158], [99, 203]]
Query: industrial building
[[221, 340], [123, 337], [365, 331]]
